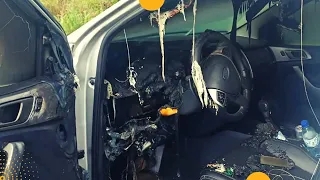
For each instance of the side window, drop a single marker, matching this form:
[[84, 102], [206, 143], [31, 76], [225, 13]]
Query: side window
[[311, 27], [17, 45]]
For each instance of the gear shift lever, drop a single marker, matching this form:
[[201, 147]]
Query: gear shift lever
[[266, 112]]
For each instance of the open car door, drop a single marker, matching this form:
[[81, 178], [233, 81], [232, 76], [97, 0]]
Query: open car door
[[37, 95]]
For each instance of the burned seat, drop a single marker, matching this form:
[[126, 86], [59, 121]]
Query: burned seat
[[242, 153]]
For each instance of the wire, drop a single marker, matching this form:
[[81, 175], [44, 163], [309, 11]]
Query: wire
[[121, 81], [302, 64], [128, 50], [284, 173], [303, 75], [315, 170]]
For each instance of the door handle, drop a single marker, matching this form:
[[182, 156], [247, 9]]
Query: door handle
[[16, 112]]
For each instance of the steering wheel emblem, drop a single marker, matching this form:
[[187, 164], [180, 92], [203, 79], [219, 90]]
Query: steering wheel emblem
[[225, 73]]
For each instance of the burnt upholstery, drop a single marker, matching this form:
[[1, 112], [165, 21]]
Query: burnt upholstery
[[227, 145]]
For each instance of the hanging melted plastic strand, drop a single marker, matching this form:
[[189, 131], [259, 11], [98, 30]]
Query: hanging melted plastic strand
[[180, 8], [161, 19], [132, 74], [196, 71], [244, 8], [109, 96], [250, 9]]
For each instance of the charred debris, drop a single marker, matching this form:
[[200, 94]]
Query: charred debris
[[262, 155], [146, 85], [137, 88]]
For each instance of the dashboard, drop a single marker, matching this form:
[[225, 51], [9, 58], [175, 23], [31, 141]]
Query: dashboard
[[132, 110]]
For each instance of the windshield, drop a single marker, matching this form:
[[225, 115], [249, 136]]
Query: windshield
[[311, 26], [216, 15]]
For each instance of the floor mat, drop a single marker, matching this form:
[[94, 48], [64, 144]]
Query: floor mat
[[245, 159], [200, 151], [169, 164], [245, 126]]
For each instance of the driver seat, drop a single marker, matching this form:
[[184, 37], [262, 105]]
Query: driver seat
[[198, 152]]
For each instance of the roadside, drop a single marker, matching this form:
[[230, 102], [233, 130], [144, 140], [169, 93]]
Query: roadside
[[72, 14]]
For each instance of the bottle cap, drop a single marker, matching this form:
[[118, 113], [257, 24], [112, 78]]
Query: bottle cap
[[304, 123]]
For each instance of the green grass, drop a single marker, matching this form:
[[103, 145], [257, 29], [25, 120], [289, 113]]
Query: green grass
[[72, 14]]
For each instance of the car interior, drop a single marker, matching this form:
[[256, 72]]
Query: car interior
[[164, 121]]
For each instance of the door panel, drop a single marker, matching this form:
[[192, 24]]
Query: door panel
[[37, 134], [288, 92], [36, 104], [37, 96]]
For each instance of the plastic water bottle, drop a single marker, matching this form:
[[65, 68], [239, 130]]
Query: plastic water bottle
[[309, 135]]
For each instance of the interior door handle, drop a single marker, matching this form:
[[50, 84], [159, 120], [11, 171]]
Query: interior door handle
[[14, 154], [16, 112]]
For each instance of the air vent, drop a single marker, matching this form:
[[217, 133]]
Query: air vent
[[283, 54], [295, 54]]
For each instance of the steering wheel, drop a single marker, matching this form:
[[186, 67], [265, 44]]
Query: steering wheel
[[227, 75]]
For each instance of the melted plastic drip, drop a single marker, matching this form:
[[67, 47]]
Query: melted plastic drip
[[162, 23], [196, 71], [181, 8]]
